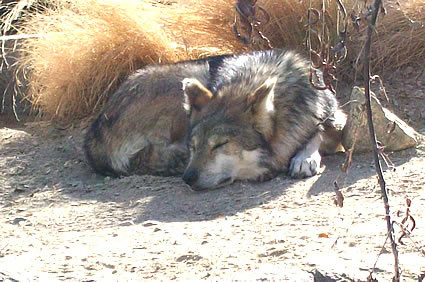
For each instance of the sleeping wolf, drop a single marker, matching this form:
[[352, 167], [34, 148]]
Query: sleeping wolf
[[143, 127], [244, 117]]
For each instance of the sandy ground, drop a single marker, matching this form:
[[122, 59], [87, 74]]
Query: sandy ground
[[60, 221]]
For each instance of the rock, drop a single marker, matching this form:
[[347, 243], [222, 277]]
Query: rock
[[391, 132], [188, 258], [320, 276], [18, 220]]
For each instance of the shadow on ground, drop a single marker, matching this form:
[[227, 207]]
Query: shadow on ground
[[40, 159]]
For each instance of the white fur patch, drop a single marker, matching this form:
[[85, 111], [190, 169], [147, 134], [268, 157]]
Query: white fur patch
[[248, 166], [222, 163], [187, 82], [307, 161], [196, 94], [233, 167], [269, 105], [120, 158], [340, 119], [220, 169]]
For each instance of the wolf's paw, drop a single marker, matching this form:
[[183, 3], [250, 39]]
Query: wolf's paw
[[303, 165]]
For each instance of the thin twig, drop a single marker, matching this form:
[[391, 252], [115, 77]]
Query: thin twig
[[375, 9]]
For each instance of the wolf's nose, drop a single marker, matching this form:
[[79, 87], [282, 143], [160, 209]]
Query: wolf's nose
[[190, 176]]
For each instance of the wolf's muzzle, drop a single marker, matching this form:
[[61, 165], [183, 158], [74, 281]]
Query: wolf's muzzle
[[191, 176]]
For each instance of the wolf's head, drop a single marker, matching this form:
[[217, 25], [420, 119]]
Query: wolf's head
[[230, 134]]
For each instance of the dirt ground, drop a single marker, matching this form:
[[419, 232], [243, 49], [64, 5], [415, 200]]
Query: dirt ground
[[60, 221]]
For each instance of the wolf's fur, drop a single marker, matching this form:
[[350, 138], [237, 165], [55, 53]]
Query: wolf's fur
[[248, 116], [262, 116], [143, 127]]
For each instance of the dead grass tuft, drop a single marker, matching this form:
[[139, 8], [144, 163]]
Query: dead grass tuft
[[204, 27], [86, 47], [289, 21], [400, 40]]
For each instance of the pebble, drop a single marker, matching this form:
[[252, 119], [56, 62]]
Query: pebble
[[18, 220]]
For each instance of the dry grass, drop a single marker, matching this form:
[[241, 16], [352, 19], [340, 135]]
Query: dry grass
[[87, 47], [204, 27], [401, 37], [399, 41], [288, 25], [13, 11]]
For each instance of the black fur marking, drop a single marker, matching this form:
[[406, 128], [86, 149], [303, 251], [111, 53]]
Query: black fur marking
[[215, 63]]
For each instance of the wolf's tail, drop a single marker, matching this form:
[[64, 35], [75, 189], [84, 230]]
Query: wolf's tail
[[95, 151]]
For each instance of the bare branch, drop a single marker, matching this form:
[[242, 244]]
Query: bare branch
[[250, 22], [371, 25]]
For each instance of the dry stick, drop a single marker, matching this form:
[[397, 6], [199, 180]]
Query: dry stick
[[370, 28]]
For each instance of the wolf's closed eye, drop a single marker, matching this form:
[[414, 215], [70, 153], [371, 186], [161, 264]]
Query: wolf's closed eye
[[220, 144]]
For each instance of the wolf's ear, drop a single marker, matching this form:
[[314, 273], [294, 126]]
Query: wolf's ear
[[261, 100], [196, 95], [261, 105]]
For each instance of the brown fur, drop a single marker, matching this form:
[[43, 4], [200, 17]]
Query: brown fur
[[143, 127], [271, 117], [250, 115]]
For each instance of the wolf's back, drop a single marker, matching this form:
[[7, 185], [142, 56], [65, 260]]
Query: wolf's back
[[130, 121], [244, 73]]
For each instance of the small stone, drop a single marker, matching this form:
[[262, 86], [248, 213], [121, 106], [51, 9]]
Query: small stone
[[67, 163], [18, 220], [392, 132], [188, 258]]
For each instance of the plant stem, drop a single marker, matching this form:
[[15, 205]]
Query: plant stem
[[376, 7]]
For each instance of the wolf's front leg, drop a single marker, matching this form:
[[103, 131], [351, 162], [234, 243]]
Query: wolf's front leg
[[307, 161]]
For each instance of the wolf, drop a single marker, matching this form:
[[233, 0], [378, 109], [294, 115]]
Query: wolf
[[143, 126], [217, 120], [259, 116]]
